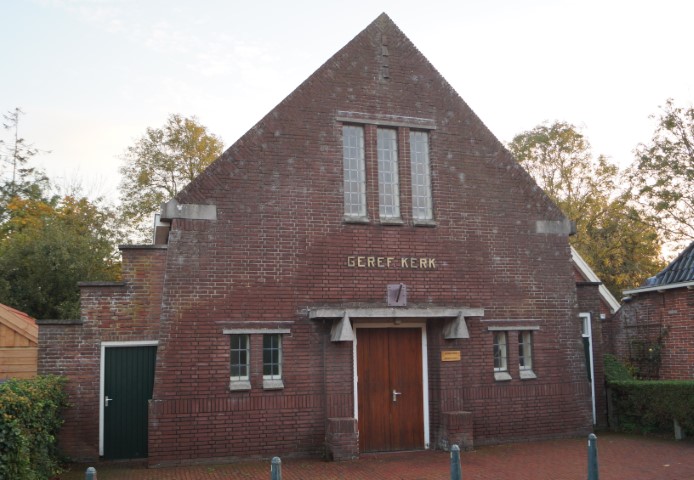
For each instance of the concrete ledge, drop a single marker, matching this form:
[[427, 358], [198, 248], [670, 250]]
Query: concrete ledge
[[172, 209], [556, 227]]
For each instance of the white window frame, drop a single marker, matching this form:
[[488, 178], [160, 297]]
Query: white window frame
[[501, 371], [587, 332], [268, 383], [273, 380], [525, 353], [354, 172], [388, 175], [420, 174], [240, 382]]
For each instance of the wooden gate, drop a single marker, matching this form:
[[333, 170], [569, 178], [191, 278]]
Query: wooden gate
[[128, 383], [389, 385]]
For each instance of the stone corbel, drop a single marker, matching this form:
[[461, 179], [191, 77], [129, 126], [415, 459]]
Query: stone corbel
[[342, 330], [456, 328]]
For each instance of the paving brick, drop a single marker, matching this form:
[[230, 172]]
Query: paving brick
[[621, 457]]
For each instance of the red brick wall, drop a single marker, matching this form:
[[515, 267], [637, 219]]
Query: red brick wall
[[111, 312], [279, 247], [669, 315]]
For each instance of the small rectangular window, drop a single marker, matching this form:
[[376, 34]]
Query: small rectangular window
[[525, 350], [272, 361], [239, 357], [501, 356], [500, 352], [421, 179], [353, 170], [240, 361], [388, 181]]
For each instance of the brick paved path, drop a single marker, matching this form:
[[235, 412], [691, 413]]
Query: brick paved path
[[621, 457]]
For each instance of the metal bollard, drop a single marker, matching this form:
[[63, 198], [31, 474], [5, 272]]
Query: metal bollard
[[276, 469], [593, 473], [90, 474], [456, 472]]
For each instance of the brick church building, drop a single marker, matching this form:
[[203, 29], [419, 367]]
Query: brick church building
[[367, 269]]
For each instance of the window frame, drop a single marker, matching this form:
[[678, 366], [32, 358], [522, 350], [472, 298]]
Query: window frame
[[273, 380], [388, 175], [525, 354], [500, 353], [268, 383], [420, 178], [354, 188], [240, 382]]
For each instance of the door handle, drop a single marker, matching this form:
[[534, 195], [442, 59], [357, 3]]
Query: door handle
[[106, 400], [395, 395]]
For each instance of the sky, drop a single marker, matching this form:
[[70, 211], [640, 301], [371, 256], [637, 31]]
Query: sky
[[92, 75]]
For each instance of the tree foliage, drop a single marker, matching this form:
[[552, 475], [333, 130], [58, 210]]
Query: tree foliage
[[663, 172], [611, 235], [46, 248], [17, 177], [161, 163]]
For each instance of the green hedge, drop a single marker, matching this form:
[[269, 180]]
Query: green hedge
[[649, 405], [615, 371], [29, 421]]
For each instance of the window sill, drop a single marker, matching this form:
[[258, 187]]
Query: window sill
[[502, 376], [348, 219], [273, 384], [391, 221], [239, 385], [424, 223], [527, 374]]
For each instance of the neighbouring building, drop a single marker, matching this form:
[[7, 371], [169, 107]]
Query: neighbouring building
[[367, 269], [19, 346], [654, 331]]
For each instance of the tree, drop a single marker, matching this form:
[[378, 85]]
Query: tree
[[662, 175], [612, 235], [162, 162], [17, 178], [47, 247]]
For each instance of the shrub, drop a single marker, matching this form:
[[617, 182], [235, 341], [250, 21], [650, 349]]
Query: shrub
[[649, 405], [29, 421], [614, 370]]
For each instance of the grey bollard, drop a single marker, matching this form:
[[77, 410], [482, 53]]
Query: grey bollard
[[593, 473], [90, 474], [456, 472], [276, 469]]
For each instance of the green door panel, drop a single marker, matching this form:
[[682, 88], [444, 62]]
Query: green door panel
[[128, 383]]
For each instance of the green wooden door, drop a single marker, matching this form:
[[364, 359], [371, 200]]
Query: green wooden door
[[128, 383]]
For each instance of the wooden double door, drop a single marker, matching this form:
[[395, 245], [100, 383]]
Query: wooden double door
[[390, 389]]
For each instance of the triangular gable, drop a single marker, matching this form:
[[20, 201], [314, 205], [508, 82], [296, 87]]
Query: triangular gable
[[590, 276], [384, 66], [19, 322]]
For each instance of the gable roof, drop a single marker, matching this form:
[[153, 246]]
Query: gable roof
[[590, 275], [20, 322], [380, 51], [679, 273]]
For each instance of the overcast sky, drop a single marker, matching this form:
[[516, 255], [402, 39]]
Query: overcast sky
[[92, 75]]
